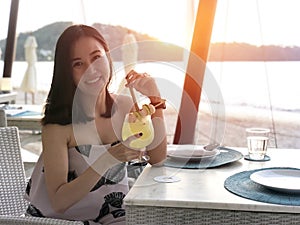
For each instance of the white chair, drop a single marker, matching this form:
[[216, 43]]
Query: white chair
[[13, 183]]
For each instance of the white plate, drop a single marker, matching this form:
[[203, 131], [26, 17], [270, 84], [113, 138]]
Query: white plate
[[190, 152], [284, 180]]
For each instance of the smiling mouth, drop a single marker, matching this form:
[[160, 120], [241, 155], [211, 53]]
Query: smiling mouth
[[92, 81]]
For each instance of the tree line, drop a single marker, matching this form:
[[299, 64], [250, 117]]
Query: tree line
[[151, 48]]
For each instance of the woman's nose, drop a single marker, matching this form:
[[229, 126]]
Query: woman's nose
[[91, 67]]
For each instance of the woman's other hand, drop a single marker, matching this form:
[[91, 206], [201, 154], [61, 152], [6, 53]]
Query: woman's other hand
[[143, 83]]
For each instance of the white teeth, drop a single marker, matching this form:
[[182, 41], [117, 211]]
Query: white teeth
[[93, 80]]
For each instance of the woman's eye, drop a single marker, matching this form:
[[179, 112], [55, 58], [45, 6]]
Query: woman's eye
[[77, 64], [97, 57]]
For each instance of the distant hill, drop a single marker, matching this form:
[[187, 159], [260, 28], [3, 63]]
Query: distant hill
[[247, 52], [151, 48], [46, 38]]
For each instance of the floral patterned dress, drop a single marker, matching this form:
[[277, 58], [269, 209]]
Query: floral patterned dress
[[103, 204]]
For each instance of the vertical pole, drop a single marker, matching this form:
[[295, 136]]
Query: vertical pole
[[10, 40], [186, 122]]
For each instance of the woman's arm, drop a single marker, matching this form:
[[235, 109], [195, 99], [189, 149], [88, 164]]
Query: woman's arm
[[55, 139], [157, 150], [64, 194]]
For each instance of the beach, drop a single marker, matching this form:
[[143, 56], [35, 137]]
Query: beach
[[230, 126]]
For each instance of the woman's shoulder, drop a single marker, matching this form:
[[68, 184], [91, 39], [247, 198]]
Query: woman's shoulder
[[59, 133], [118, 97], [123, 101], [56, 130]]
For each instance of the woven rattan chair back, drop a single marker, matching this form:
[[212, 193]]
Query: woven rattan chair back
[[12, 173], [3, 119], [13, 183]]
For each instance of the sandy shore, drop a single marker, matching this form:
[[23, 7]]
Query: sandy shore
[[285, 126], [230, 127]]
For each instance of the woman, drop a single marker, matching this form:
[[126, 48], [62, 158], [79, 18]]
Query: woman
[[81, 173]]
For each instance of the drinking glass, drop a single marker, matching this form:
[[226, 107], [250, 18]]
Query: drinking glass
[[143, 126], [257, 141]]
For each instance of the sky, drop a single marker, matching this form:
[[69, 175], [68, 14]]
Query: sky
[[268, 22], [258, 22]]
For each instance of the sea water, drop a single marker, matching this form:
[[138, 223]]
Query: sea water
[[257, 84]]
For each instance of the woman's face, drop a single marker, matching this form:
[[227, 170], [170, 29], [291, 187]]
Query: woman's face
[[90, 66]]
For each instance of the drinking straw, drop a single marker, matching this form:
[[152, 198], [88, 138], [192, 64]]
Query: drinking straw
[[136, 106]]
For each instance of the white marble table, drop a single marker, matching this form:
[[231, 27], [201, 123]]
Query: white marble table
[[200, 196]]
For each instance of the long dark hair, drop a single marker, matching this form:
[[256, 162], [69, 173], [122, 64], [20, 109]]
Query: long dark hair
[[59, 103]]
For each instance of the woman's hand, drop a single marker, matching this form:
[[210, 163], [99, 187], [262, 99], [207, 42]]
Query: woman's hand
[[143, 83], [122, 152]]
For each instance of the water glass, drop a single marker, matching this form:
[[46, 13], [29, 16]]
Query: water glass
[[257, 141]]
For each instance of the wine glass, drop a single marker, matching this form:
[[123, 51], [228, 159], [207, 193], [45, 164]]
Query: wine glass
[[142, 125], [135, 124]]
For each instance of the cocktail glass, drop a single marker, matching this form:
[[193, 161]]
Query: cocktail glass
[[141, 126]]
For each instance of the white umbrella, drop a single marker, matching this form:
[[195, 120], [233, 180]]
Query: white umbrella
[[129, 56], [29, 83]]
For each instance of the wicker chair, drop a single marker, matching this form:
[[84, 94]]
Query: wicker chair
[[3, 120], [13, 183]]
